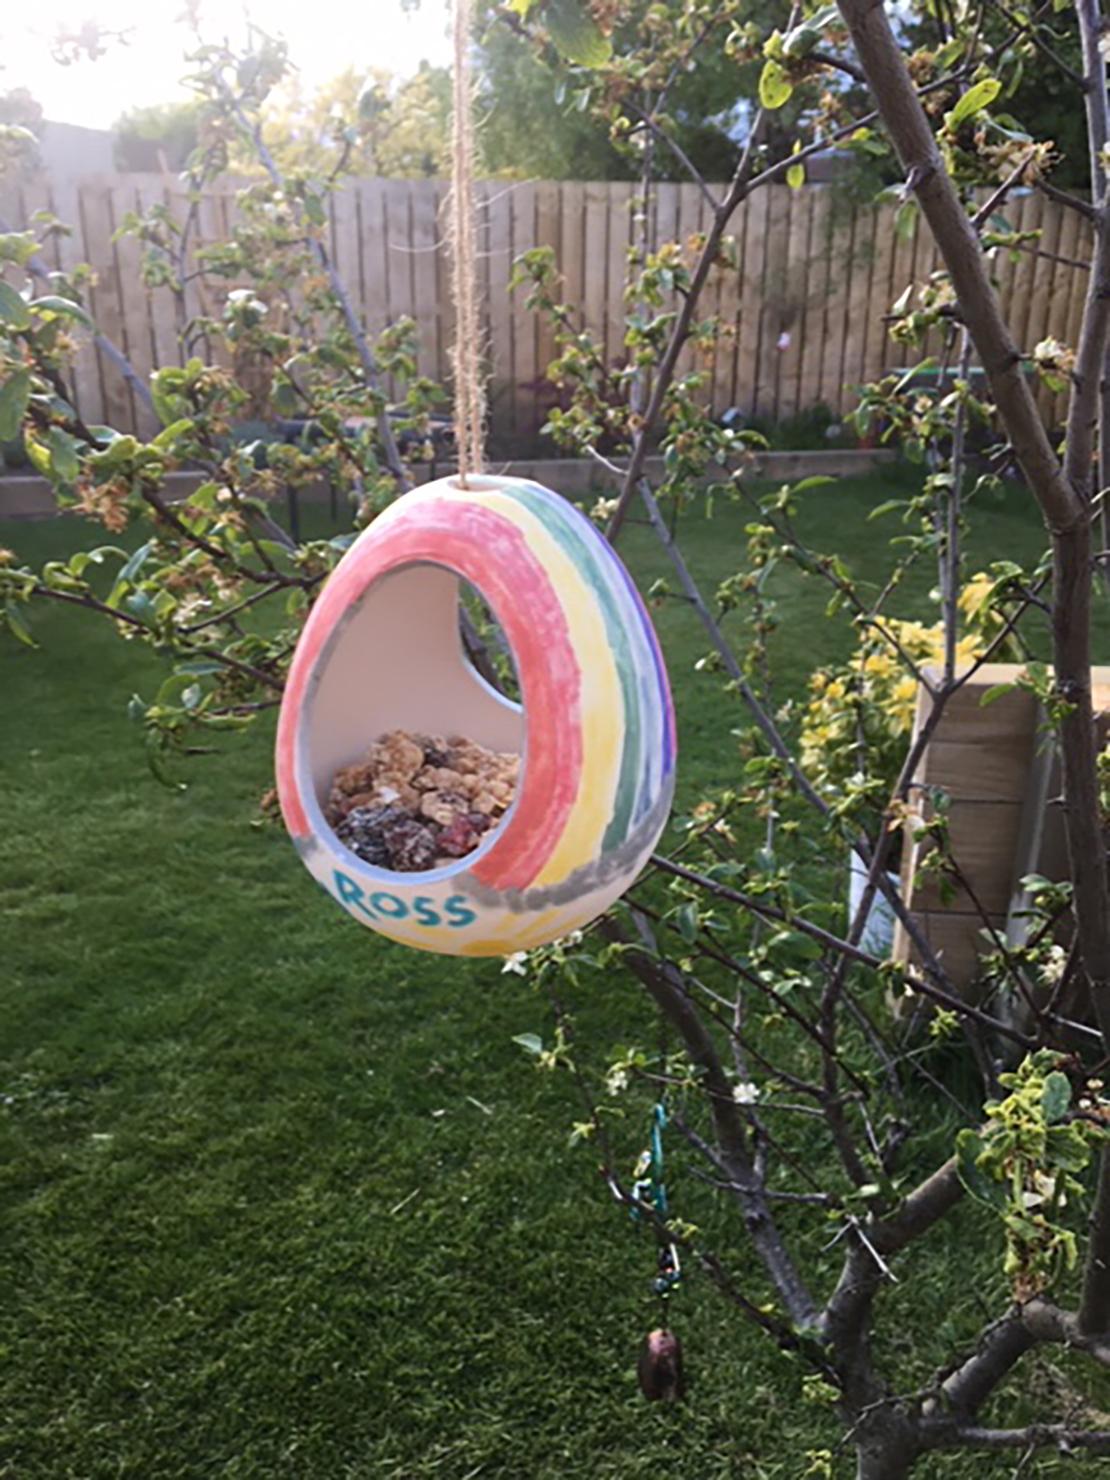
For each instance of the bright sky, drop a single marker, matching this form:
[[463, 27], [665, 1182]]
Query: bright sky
[[324, 36]]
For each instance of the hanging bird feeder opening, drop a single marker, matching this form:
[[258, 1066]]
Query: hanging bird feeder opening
[[415, 756], [381, 655]]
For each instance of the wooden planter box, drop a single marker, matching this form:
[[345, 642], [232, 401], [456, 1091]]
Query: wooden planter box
[[998, 765]]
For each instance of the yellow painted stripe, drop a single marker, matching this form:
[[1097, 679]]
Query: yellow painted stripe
[[534, 930], [601, 704], [514, 933], [438, 942]]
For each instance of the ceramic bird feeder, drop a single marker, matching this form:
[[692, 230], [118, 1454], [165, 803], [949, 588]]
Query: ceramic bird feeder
[[381, 651]]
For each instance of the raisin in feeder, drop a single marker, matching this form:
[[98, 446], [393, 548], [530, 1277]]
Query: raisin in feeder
[[381, 651]]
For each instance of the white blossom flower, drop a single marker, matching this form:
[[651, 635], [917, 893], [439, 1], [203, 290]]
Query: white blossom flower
[[745, 1093], [1052, 969], [1044, 1188], [616, 1081], [517, 964]]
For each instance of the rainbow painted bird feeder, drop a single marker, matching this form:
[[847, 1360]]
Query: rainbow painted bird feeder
[[381, 651]]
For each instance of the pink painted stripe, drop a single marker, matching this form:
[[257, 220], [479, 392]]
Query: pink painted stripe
[[493, 554]]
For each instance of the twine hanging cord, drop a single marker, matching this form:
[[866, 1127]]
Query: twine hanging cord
[[470, 400]]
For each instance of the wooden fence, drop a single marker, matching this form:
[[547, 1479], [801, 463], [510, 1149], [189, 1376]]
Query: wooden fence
[[802, 301]]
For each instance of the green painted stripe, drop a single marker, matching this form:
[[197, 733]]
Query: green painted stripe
[[631, 768]]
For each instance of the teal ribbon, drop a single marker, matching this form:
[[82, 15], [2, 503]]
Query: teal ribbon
[[653, 1189], [659, 1187]]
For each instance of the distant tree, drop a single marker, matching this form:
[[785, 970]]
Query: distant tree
[[161, 136], [20, 118], [541, 120], [1038, 80], [530, 127], [376, 124], [415, 137], [18, 107]]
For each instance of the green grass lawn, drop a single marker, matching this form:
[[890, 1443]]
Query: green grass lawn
[[281, 1199]]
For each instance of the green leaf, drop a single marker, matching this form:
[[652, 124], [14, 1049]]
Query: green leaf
[[15, 133], [795, 944], [775, 88], [76, 565], [801, 40], [17, 626], [828, 15], [120, 450], [975, 1181], [64, 461], [171, 688], [1056, 1096], [165, 387], [38, 454], [887, 507], [13, 309], [687, 921], [576, 34], [136, 562], [140, 605], [63, 306], [169, 435], [530, 1042], [913, 372], [996, 691], [905, 217], [981, 96], [796, 176], [129, 572], [15, 393], [283, 398], [18, 247]]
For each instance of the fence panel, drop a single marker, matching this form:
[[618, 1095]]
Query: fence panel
[[801, 294]]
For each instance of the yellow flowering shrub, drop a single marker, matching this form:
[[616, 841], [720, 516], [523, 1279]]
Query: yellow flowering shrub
[[859, 715]]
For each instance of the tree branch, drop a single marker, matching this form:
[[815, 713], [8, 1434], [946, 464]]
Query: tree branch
[[72, 598], [665, 986], [38, 269], [1048, 1323], [845, 948], [1094, 1305], [912, 135], [763, 720], [369, 365], [1001, 1346], [1061, 1437], [684, 320], [1058, 493]]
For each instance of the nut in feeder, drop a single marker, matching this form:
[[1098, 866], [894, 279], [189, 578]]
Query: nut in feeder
[[381, 651]]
